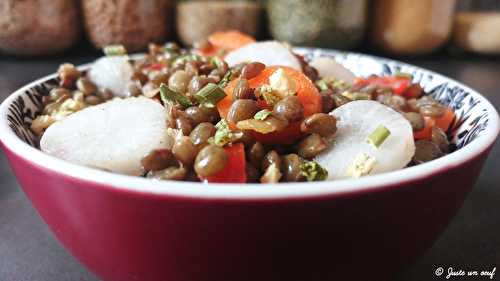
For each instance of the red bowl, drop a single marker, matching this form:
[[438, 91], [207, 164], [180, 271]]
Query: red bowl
[[130, 228]]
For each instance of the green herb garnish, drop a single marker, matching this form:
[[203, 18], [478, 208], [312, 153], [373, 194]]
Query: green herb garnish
[[262, 115], [313, 171], [322, 85], [217, 62], [114, 50], [223, 133], [168, 95], [266, 93], [379, 135], [210, 94], [226, 79]]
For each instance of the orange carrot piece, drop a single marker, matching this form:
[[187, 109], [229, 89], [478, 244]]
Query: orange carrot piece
[[426, 132], [306, 92], [445, 121]]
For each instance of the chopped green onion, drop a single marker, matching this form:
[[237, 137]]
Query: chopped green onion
[[114, 50], [217, 62], [168, 95], [262, 115], [186, 58], [210, 94], [379, 135], [313, 171], [322, 85], [226, 79], [223, 133]]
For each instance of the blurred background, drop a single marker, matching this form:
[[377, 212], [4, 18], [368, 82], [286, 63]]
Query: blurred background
[[458, 38]]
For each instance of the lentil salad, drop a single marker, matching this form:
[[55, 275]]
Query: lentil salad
[[250, 121]]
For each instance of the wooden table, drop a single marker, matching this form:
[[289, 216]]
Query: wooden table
[[28, 250]]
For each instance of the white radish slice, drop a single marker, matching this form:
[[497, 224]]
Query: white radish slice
[[267, 52], [113, 73], [113, 136], [355, 122], [329, 68]]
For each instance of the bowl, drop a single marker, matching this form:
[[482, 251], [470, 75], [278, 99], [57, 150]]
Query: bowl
[[131, 228]]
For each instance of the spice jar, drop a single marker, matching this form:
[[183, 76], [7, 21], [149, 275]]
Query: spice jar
[[321, 23], [38, 27], [129, 22], [476, 26], [196, 20], [409, 27]]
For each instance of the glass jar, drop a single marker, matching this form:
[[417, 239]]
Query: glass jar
[[410, 27], [476, 26], [197, 19], [320, 23]]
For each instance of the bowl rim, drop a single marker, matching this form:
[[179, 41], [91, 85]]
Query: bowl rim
[[252, 191]]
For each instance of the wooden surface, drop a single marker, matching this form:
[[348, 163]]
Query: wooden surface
[[29, 252]]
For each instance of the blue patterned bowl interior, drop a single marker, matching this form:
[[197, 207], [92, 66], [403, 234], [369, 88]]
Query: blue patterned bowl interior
[[471, 113]]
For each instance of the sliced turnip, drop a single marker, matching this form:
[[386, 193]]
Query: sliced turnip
[[113, 136], [113, 73], [328, 68], [355, 122], [267, 52]]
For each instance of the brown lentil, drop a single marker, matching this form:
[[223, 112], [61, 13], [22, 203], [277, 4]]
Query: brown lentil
[[179, 81], [426, 151], [255, 154], [252, 173], [105, 94], [272, 157], [68, 74], [311, 72], [211, 112], [411, 105], [339, 100], [84, 85], [242, 110], [319, 123], [183, 124], [158, 159], [416, 120], [197, 83], [251, 70], [92, 100], [170, 173], [210, 160], [439, 137], [311, 146], [290, 108], [201, 133], [184, 150], [56, 93], [432, 110], [196, 115], [328, 104], [290, 168], [134, 89], [161, 78], [242, 90]]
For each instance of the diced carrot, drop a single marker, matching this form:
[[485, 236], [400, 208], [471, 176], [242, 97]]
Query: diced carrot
[[234, 171], [306, 92], [226, 41], [445, 121], [426, 132]]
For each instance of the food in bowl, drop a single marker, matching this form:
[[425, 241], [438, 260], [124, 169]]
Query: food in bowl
[[236, 110]]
